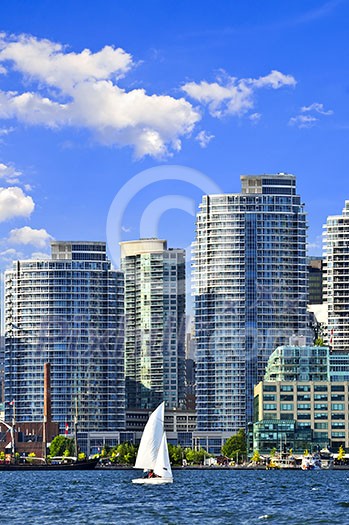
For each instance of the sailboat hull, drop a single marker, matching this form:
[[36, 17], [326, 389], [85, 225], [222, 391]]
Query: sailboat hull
[[152, 481]]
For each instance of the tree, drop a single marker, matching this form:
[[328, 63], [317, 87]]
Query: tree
[[31, 456], [341, 453], [189, 455], [256, 457], [273, 452], [235, 446], [60, 445], [319, 342], [125, 453], [176, 454]]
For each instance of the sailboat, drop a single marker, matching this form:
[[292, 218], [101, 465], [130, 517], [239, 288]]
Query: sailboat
[[152, 454]]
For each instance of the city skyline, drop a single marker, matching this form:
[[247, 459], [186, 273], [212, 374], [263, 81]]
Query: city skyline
[[217, 90]]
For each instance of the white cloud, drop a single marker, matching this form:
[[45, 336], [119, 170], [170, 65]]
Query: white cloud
[[308, 120], [5, 131], [275, 80], [9, 174], [204, 138], [40, 255], [52, 64], [255, 117], [318, 108], [26, 235], [232, 96], [7, 257], [303, 121], [80, 90], [14, 203]]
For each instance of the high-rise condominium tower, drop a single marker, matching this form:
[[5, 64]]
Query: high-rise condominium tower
[[67, 310], [154, 323], [250, 288], [336, 280]]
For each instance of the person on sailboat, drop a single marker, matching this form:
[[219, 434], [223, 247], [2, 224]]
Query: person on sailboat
[[151, 474]]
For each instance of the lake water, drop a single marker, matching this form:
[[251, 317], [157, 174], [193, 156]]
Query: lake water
[[196, 497]]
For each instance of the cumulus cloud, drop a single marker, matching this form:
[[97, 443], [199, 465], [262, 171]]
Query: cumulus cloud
[[307, 118], [9, 174], [7, 257], [275, 80], [303, 121], [233, 96], [204, 138], [255, 117], [14, 203], [26, 235], [81, 90], [40, 255], [318, 108]]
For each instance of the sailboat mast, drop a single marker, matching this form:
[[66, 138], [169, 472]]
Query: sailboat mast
[[47, 406], [76, 428]]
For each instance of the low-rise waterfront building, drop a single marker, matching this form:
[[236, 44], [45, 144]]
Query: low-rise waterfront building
[[299, 404]]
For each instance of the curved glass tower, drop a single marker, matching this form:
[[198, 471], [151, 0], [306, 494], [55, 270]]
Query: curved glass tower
[[250, 289]]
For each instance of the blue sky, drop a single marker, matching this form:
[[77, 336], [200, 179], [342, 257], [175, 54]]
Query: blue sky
[[92, 94]]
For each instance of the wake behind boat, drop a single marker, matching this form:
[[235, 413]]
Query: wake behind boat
[[152, 454]]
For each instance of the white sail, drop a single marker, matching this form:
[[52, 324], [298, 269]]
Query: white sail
[[162, 466], [151, 439]]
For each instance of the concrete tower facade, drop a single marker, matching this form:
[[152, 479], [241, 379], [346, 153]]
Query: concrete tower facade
[[336, 280], [154, 323]]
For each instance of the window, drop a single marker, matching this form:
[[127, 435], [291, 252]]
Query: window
[[303, 388], [269, 406], [303, 406], [320, 388], [286, 388], [303, 416], [337, 406], [269, 397], [320, 397], [320, 415], [286, 406], [269, 388], [320, 426], [337, 388], [337, 397], [320, 406]]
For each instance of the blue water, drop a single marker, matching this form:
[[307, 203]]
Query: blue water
[[196, 497]]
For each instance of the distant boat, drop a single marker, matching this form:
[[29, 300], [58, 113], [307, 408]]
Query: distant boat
[[56, 464], [152, 454], [311, 463]]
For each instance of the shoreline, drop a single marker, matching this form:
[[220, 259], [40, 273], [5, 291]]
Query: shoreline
[[204, 467]]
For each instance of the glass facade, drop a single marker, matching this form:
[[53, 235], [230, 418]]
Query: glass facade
[[154, 323], [250, 289], [67, 310], [298, 363]]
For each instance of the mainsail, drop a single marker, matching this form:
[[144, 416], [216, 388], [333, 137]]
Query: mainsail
[[151, 439]]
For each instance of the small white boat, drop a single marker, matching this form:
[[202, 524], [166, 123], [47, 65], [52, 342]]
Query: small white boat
[[310, 463], [152, 454]]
